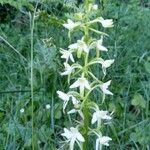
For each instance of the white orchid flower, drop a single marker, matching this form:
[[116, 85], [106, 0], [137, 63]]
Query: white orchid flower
[[66, 97], [82, 83], [70, 25], [106, 23], [102, 140], [104, 88], [73, 135], [80, 46], [105, 64], [100, 115], [98, 45], [68, 69], [66, 54]]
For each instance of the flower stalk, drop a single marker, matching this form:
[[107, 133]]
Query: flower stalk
[[83, 81]]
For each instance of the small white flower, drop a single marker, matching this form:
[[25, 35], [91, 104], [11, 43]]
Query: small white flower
[[66, 97], [66, 55], [82, 83], [22, 110], [102, 141], [104, 88], [68, 69], [98, 45], [73, 135], [80, 46], [70, 25], [105, 64], [48, 106], [106, 23], [99, 115]]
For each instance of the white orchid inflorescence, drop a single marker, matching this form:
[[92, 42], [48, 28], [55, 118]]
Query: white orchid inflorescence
[[79, 60]]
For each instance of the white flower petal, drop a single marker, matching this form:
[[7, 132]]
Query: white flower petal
[[73, 135], [107, 92], [66, 54], [75, 84], [86, 84], [102, 48], [64, 105], [74, 100], [73, 46], [81, 114], [72, 111], [104, 140], [71, 58], [70, 25], [104, 88], [98, 115], [94, 118], [68, 69], [108, 63], [107, 23], [63, 95], [66, 133], [72, 143], [80, 137]]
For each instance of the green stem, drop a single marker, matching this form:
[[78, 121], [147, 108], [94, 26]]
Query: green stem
[[32, 19], [32, 90], [85, 107], [86, 125]]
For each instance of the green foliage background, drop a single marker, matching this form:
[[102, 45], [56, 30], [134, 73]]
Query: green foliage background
[[128, 44]]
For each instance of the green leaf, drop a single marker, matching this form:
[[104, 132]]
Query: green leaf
[[138, 100]]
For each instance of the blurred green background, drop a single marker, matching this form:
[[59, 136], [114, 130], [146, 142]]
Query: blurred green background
[[128, 44]]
